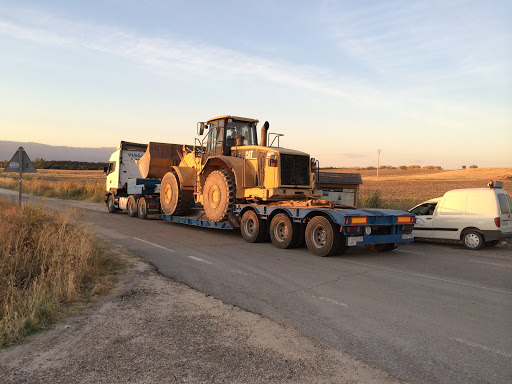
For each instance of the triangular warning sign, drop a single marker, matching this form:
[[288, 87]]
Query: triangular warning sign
[[26, 163]]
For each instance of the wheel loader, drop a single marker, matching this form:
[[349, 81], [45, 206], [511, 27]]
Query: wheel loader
[[226, 166]]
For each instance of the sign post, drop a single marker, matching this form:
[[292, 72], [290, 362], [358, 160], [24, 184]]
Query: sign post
[[20, 163]]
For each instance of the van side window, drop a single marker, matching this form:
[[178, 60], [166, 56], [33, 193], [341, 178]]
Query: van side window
[[451, 205], [504, 200]]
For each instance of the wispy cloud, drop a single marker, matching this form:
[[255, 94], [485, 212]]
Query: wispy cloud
[[166, 55]]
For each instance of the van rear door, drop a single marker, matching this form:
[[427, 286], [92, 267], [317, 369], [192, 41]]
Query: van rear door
[[505, 211]]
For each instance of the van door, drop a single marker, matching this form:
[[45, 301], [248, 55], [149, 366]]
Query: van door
[[423, 226], [505, 211], [449, 216]]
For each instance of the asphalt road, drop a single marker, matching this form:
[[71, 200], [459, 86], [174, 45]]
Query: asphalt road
[[426, 313]]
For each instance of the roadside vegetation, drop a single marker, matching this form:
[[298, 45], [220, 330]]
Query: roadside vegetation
[[47, 263], [61, 188]]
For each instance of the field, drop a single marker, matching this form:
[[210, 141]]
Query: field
[[397, 188], [405, 188]]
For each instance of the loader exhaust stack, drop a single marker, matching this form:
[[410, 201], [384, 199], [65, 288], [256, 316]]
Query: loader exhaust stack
[[264, 130]]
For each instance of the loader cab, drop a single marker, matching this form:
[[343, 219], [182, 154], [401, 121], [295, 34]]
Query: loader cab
[[226, 132]]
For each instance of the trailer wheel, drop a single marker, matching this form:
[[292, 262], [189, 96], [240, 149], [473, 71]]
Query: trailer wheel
[[219, 195], [111, 204], [284, 233], [322, 238], [381, 247], [253, 228], [173, 199], [131, 206], [142, 208]]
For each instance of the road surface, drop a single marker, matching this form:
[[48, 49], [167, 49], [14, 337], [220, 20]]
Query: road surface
[[425, 313]]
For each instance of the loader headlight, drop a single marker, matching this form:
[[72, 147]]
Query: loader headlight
[[272, 161]]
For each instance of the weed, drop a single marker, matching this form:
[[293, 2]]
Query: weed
[[46, 262]]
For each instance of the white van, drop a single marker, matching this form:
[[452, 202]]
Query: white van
[[475, 216]]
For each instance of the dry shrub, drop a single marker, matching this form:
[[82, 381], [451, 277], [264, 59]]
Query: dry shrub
[[46, 261]]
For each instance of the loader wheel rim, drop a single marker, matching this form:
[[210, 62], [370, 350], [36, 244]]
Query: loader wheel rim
[[319, 236], [167, 193], [214, 196], [281, 231]]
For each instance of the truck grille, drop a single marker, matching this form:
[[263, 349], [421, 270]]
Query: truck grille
[[295, 170]]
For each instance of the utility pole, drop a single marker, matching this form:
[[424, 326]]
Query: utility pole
[[378, 162]]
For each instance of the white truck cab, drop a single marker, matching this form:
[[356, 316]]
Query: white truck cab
[[122, 166], [475, 216]]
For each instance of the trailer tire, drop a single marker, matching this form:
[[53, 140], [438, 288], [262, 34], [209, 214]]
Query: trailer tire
[[131, 207], [111, 204], [322, 238], [253, 228], [284, 233], [219, 195], [142, 208], [381, 247], [173, 199]]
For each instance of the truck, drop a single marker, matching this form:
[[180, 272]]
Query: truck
[[226, 180]]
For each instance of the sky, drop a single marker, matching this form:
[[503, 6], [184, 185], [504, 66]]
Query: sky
[[424, 82]]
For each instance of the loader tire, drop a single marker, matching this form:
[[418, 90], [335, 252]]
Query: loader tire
[[219, 195], [173, 199]]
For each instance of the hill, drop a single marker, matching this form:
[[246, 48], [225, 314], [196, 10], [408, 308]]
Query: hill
[[51, 152]]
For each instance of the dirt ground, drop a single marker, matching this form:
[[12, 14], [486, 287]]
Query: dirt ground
[[151, 329]]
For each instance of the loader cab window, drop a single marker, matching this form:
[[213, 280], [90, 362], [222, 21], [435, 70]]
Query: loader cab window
[[215, 138], [240, 133]]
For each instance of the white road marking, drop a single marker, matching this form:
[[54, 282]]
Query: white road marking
[[199, 259], [330, 301], [403, 250], [429, 277], [485, 348], [486, 262], [153, 244], [239, 272]]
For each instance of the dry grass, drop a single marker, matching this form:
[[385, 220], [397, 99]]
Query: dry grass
[[76, 185], [404, 189], [46, 262]]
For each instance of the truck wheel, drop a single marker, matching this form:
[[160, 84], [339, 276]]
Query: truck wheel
[[283, 232], [472, 240], [322, 239], [142, 208], [219, 195], [131, 206], [253, 228], [111, 204], [491, 243], [381, 247], [173, 200]]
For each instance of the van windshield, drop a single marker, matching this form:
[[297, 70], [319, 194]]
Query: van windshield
[[505, 203]]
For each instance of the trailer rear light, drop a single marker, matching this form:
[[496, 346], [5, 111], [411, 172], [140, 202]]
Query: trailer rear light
[[353, 229], [497, 221], [407, 227], [404, 219], [357, 220]]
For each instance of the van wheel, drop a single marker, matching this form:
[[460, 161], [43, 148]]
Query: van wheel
[[472, 240], [491, 243]]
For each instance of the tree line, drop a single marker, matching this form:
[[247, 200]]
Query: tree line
[[63, 164]]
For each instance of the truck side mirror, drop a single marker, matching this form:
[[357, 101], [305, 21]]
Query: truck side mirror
[[200, 128], [105, 170]]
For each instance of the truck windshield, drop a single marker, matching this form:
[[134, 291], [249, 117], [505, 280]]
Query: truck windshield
[[243, 130]]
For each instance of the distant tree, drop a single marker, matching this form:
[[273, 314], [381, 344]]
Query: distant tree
[[4, 163], [370, 168], [39, 163], [414, 167], [463, 167], [473, 166], [403, 167]]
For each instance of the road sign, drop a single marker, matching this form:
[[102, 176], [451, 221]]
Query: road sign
[[20, 163], [20, 157]]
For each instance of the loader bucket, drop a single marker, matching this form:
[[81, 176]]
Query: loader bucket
[[160, 157]]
